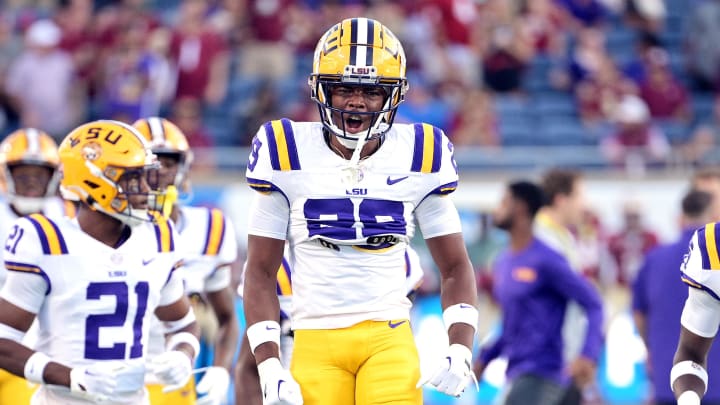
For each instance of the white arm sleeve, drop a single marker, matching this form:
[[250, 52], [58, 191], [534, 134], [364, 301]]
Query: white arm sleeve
[[269, 216], [437, 216], [701, 313], [24, 290]]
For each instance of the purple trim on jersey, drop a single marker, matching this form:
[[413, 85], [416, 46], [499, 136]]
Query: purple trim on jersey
[[703, 248], [291, 146], [292, 154], [286, 268], [437, 150], [407, 264], [208, 233], [445, 189], [419, 147], [44, 237], [272, 144], [172, 270], [263, 186], [29, 268], [694, 284], [158, 236]]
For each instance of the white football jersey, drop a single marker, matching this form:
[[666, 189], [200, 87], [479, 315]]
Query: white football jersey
[[93, 302], [54, 208], [348, 238], [207, 245], [701, 265]]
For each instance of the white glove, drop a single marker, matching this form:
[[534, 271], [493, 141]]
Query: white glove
[[101, 381], [278, 385], [214, 386], [454, 373], [172, 368]]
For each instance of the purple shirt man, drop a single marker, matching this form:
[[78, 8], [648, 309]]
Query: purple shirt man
[[533, 287], [659, 296]]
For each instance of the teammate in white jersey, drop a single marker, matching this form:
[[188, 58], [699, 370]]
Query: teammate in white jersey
[[94, 280], [208, 249], [28, 166], [345, 194], [700, 316], [247, 388]]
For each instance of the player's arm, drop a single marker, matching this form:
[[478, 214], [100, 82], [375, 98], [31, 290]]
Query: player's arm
[[247, 380], [14, 356], [222, 300], [700, 319], [174, 366], [574, 287], [440, 224], [223, 304]]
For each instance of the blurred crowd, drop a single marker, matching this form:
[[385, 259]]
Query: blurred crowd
[[637, 78]]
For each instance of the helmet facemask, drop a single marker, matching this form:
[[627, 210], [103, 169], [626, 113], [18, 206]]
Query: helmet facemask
[[358, 52], [331, 116]]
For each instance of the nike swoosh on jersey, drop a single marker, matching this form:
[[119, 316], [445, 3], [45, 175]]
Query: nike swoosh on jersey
[[395, 325], [465, 306], [148, 261], [390, 181]]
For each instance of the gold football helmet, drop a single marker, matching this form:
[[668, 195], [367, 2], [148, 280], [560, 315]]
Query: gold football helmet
[[166, 138], [358, 52], [106, 162], [32, 147]]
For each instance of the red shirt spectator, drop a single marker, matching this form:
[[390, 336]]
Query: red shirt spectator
[[629, 246]]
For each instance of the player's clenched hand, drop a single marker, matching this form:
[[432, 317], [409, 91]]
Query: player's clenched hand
[[173, 368], [214, 386], [454, 373], [278, 385], [102, 381]]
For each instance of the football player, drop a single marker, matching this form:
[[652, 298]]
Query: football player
[[209, 248], [29, 169], [247, 388], [700, 316], [94, 280], [345, 194]]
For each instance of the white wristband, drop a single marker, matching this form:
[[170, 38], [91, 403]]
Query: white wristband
[[174, 326], [184, 337], [688, 398], [261, 332], [35, 366], [460, 313], [688, 367]]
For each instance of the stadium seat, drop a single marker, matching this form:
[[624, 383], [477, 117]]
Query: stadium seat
[[676, 132], [564, 131]]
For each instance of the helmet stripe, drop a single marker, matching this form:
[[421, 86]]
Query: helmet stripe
[[362, 36], [353, 41], [157, 130], [370, 40], [32, 136]]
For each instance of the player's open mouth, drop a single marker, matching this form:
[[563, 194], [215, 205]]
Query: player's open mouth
[[353, 122]]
